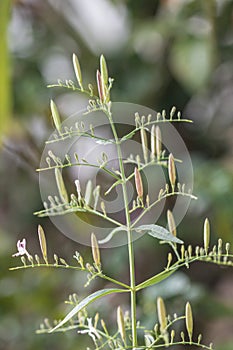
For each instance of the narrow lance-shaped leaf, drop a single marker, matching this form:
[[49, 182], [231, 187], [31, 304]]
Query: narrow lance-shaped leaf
[[43, 244], [111, 234], [155, 279], [159, 232], [85, 302]]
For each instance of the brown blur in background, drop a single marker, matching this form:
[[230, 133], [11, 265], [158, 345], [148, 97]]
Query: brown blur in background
[[161, 53]]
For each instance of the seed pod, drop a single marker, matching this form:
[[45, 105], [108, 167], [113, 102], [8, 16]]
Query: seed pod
[[138, 182], [153, 142], [61, 186], [95, 250], [88, 192], [100, 85], [104, 70], [78, 189], [172, 171], [77, 71], [121, 324], [56, 116], [43, 245], [158, 137], [189, 321], [144, 144], [206, 235], [171, 223], [161, 314]]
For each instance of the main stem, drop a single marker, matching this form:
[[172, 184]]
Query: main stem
[[129, 238]]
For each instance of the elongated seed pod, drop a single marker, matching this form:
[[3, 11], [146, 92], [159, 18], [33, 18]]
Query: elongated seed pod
[[88, 192], [206, 235], [161, 314], [104, 70], [43, 244], [189, 321], [153, 142], [138, 183], [61, 186], [56, 116], [171, 223], [121, 324], [78, 189], [158, 141], [144, 144], [100, 85], [95, 250], [172, 170], [77, 71]]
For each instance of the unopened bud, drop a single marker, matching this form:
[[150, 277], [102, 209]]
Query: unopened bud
[[88, 192]]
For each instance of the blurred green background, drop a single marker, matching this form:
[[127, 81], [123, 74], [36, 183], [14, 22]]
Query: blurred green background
[[161, 53]]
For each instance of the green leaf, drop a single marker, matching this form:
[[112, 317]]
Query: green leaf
[[111, 234], [84, 303], [155, 279], [159, 232]]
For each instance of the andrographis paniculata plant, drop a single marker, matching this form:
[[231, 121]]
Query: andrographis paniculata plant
[[127, 324]]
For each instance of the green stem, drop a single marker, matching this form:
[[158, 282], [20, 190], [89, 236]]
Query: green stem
[[129, 237]]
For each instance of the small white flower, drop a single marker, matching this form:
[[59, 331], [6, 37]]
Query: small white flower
[[91, 331], [21, 246]]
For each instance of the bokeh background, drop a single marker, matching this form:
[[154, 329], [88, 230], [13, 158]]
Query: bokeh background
[[161, 53]]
